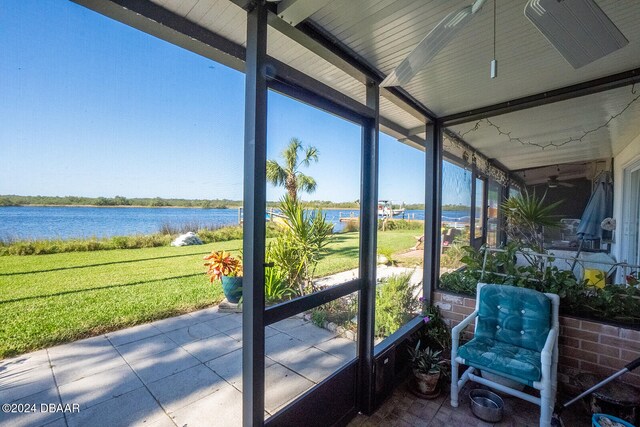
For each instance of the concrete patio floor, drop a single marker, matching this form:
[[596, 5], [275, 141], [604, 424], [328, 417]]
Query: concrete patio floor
[[184, 370], [187, 370]]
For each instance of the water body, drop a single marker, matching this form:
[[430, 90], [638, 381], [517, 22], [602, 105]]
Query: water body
[[39, 222]]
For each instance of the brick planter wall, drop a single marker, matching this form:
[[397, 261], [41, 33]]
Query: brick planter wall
[[584, 346]]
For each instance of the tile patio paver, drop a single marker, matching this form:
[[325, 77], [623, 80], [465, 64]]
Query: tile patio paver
[[100, 387], [146, 347], [229, 367], [313, 364], [311, 334], [126, 336], [192, 333], [20, 380], [287, 324], [136, 408], [172, 323], [36, 418], [339, 347], [59, 422], [280, 346], [164, 364], [71, 362], [218, 408], [178, 390], [226, 323], [40, 357], [281, 386], [209, 348]]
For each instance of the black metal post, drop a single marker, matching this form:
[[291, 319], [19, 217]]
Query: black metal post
[[255, 158], [368, 253], [502, 218], [472, 219], [432, 209], [485, 209]]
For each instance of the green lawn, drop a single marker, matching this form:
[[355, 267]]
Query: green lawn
[[49, 299]]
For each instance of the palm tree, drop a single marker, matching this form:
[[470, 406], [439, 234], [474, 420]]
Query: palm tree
[[289, 175]]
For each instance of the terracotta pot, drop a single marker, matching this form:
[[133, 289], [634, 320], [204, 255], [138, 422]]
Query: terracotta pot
[[426, 383]]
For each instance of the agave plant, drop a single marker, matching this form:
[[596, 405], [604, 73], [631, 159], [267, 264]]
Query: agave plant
[[527, 215], [301, 244]]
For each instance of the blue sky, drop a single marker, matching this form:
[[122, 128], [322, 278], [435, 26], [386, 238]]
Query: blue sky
[[91, 107]]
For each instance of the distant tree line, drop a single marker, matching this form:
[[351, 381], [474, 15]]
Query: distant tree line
[[13, 200], [455, 208]]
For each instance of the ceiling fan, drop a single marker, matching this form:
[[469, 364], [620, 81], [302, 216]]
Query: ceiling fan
[[553, 182], [578, 29]]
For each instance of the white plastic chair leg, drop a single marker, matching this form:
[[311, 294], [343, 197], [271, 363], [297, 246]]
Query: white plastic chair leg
[[546, 406], [454, 382]]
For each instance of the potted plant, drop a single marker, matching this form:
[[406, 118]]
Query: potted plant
[[228, 269], [428, 365]]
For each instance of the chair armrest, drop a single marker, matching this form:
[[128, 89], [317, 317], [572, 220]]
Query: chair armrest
[[455, 332], [547, 350], [546, 355]]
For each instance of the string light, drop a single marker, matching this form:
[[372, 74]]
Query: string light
[[554, 144], [454, 145]]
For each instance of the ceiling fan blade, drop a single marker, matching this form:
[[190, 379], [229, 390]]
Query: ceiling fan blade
[[566, 184], [429, 47], [578, 29]]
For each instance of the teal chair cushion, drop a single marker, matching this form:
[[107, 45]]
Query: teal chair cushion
[[518, 363], [516, 316]]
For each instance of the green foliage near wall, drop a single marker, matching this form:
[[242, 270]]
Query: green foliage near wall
[[396, 304], [614, 302]]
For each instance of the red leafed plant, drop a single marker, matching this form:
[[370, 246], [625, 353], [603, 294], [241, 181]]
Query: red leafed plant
[[222, 263]]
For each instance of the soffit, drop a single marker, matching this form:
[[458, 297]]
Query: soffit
[[555, 133], [384, 32]]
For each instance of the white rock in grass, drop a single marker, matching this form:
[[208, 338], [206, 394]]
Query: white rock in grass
[[187, 239]]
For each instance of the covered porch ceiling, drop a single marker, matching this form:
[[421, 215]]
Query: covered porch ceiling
[[345, 43]]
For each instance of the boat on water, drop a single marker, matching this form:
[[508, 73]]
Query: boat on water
[[387, 209]]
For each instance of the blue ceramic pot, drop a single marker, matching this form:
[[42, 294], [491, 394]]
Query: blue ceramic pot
[[232, 288]]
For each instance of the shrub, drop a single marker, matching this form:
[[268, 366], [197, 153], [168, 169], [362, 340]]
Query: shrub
[[452, 256], [276, 286], [44, 247], [395, 304], [351, 226], [340, 311], [399, 224], [388, 254]]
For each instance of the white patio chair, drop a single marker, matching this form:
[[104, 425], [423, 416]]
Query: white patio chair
[[516, 337]]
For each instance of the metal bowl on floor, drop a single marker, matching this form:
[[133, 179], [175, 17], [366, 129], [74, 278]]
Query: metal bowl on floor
[[486, 405]]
